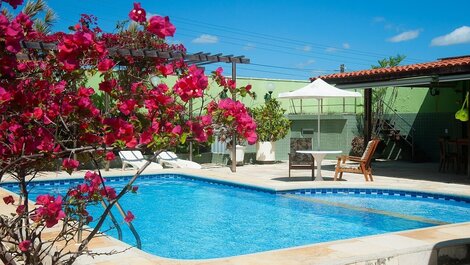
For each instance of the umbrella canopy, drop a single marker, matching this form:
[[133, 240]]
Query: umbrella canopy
[[319, 89]]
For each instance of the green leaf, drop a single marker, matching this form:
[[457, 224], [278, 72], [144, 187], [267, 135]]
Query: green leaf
[[183, 138]]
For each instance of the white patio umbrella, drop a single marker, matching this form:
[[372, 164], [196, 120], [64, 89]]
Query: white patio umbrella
[[319, 89]]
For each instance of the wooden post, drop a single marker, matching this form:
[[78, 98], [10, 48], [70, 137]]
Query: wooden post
[[190, 141], [467, 88], [234, 136], [367, 116]]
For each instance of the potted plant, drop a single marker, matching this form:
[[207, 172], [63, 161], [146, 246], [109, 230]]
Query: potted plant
[[240, 153], [271, 126]]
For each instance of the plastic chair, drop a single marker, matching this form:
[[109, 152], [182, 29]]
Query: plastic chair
[[136, 160], [171, 159]]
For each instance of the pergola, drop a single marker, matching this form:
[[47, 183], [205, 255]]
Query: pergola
[[198, 59], [444, 72]]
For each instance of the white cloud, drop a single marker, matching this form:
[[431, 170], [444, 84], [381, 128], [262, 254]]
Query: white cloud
[[307, 48], [378, 19], [249, 46], [306, 63], [334, 49], [458, 36], [331, 49], [206, 39], [405, 36]]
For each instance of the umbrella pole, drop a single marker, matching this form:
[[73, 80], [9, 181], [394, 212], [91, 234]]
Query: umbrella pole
[[318, 125]]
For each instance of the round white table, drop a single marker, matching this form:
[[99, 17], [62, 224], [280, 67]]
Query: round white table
[[318, 156]]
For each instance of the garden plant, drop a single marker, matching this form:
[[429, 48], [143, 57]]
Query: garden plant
[[49, 114]]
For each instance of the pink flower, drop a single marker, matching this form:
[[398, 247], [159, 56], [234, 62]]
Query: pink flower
[[44, 199], [129, 217], [161, 26], [9, 199], [108, 192], [127, 106], [177, 130], [138, 13], [50, 210], [110, 156], [24, 245], [165, 70], [108, 85], [20, 209], [134, 189], [192, 85], [4, 95], [37, 113], [105, 65], [70, 165]]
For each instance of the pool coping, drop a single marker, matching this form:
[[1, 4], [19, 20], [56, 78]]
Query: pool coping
[[423, 240]]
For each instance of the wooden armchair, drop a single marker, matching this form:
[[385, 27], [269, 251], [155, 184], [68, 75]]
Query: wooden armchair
[[301, 161], [447, 156], [361, 165]]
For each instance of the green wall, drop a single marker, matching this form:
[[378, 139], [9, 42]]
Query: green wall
[[430, 115]]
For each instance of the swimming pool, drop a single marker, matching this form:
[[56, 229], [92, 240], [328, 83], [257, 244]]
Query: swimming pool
[[182, 217]]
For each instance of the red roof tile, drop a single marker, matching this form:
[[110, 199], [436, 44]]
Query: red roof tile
[[441, 66]]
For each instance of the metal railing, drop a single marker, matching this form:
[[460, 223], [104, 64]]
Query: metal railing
[[298, 106], [391, 119]]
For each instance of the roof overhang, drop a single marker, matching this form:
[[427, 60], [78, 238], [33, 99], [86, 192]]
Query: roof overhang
[[406, 82]]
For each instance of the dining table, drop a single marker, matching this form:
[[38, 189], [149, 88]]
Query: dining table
[[318, 157]]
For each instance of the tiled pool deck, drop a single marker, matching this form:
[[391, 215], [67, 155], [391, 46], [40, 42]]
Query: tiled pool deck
[[406, 247]]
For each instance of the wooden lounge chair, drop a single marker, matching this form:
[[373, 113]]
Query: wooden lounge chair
[[361, 165], [301, 161]]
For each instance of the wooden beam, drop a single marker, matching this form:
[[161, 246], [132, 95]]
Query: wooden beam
[[199, 57], [367, 116]]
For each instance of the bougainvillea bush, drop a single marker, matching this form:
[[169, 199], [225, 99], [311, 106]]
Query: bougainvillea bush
[[48, 115]]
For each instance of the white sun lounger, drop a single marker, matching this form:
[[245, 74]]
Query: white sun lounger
[[171, 159], [136, 160]]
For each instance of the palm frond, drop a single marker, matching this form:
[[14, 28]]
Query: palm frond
[[7, 13], [41, 27], [50, 17], [133, 27], [33, 7]]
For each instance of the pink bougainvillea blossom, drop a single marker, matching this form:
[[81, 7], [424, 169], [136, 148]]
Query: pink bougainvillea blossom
[[70, 165], [109, 193], [129, 217], [20, 209], [108, 85], [192, 85], [161, 26], [8, 199], [127, 106], [138, 14], [14, 3], [236, 113], [4, 95], [165, 70], [24, 245], [50, 210], [110, 156], [105, 65]]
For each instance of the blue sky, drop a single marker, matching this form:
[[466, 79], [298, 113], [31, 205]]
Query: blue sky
[[299, 39]]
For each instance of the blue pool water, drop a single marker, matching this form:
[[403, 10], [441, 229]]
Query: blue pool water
[[186, 218]]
